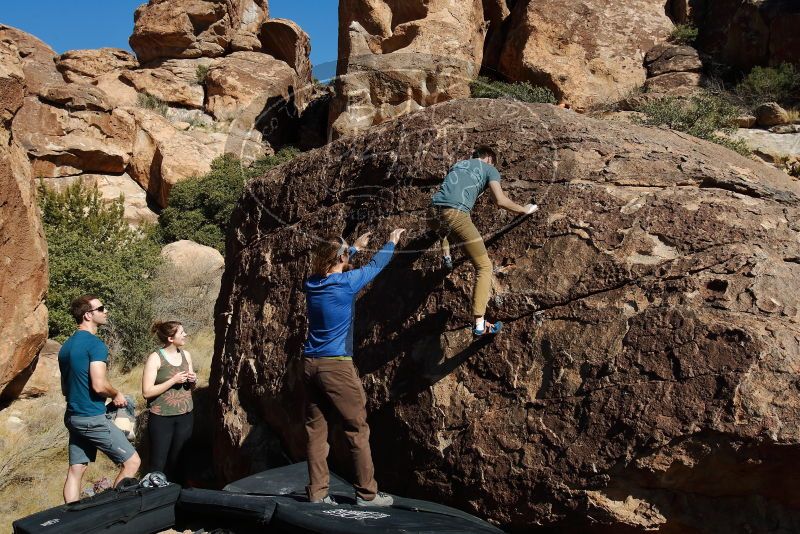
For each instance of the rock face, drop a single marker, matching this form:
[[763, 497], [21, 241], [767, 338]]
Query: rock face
[[88, 65], [47, 376], [586, 52], [397, 57], [163, 156], [646, 375], [748, 33], [23, 251], [242, 84], [195, 28], [285, 40], [772, 147], [771, 114], [189, 255]]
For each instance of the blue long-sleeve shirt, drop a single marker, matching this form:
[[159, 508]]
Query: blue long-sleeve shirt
[[330, 303]]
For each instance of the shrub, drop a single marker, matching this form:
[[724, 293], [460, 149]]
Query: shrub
[[148, 101], [201, 72], [683, 34], [199, 209], [484, 87], [705, 115], [92, 249], [769, 84]]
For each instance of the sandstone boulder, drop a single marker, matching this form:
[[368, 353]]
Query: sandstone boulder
[[586, 52], [63, 143], [745, 121], [665, 58], [673, 84], [244, 85], [174, 82], [750, 33], [771, 147], [194, 28], [192, 257], [102, 68], [397, 57], [285, 40], [163, 155], [88, 65], [46, 377], [771, 114], [23, 285], [36, 59], [646, 375]]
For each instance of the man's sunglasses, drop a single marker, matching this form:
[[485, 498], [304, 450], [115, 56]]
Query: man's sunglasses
[[101, 309]]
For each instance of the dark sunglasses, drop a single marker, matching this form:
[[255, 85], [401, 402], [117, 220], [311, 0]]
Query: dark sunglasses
[[101, 309]]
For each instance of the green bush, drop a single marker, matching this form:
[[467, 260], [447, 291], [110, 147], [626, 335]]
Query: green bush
[[705, 115], [769, 84], [201, 72], [484, 87], [683, 34], [91, 249], [199, 209], [148, 101]]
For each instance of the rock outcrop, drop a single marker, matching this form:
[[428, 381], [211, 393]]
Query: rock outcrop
[[645, 378], [23, 251], [189, 29], [396, 57], [285, 40], [586, 52], [744, 34]]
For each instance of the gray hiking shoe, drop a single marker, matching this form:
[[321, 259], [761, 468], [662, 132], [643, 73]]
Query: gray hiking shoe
[[326, 500], [381, 499]]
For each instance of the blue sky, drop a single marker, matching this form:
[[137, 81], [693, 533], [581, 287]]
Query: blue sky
[[77, 24]]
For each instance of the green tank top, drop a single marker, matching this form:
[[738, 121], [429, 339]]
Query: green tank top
[[177, 400]]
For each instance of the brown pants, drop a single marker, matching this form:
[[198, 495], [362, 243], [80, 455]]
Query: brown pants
[[333, 386], [449, 222]]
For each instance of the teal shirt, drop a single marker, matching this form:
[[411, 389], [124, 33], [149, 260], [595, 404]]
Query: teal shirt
[[464, 183], [76, 353]]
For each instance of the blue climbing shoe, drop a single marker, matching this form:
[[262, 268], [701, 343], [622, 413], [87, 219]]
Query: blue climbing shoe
[[496, 327]]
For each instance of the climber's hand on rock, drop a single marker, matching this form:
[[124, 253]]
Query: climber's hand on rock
[[394, 237], [362, 241]]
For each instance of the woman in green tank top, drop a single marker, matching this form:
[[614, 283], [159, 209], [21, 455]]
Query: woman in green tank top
[[167, 383]]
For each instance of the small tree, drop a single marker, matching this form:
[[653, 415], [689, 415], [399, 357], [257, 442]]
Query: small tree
[[705, 115], [485, 87], [683, 34], [200, 208], [92, 249], [769, 84]]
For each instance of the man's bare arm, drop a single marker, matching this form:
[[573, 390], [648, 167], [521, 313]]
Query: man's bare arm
[[100, 384], [502, 201]]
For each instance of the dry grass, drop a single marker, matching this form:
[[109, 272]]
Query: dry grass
[[33, 461], [794, 115]]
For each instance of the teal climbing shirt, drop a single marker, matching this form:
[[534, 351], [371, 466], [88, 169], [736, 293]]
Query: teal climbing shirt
[[464, 183]]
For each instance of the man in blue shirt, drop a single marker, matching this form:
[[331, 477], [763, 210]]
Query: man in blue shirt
[[83, 363], [452, 203], [331, 381]]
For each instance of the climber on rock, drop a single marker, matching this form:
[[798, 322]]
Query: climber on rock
[[331, 382], [450, 218]]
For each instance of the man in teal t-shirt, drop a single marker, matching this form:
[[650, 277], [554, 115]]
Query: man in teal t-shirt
[[82, 361], [453, 202]]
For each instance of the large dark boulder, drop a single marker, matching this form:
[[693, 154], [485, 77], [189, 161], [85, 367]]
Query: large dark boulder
[[647, 374]]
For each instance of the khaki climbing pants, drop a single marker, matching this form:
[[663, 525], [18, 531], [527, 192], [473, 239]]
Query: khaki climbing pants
[[331, 387], [457, 225]]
